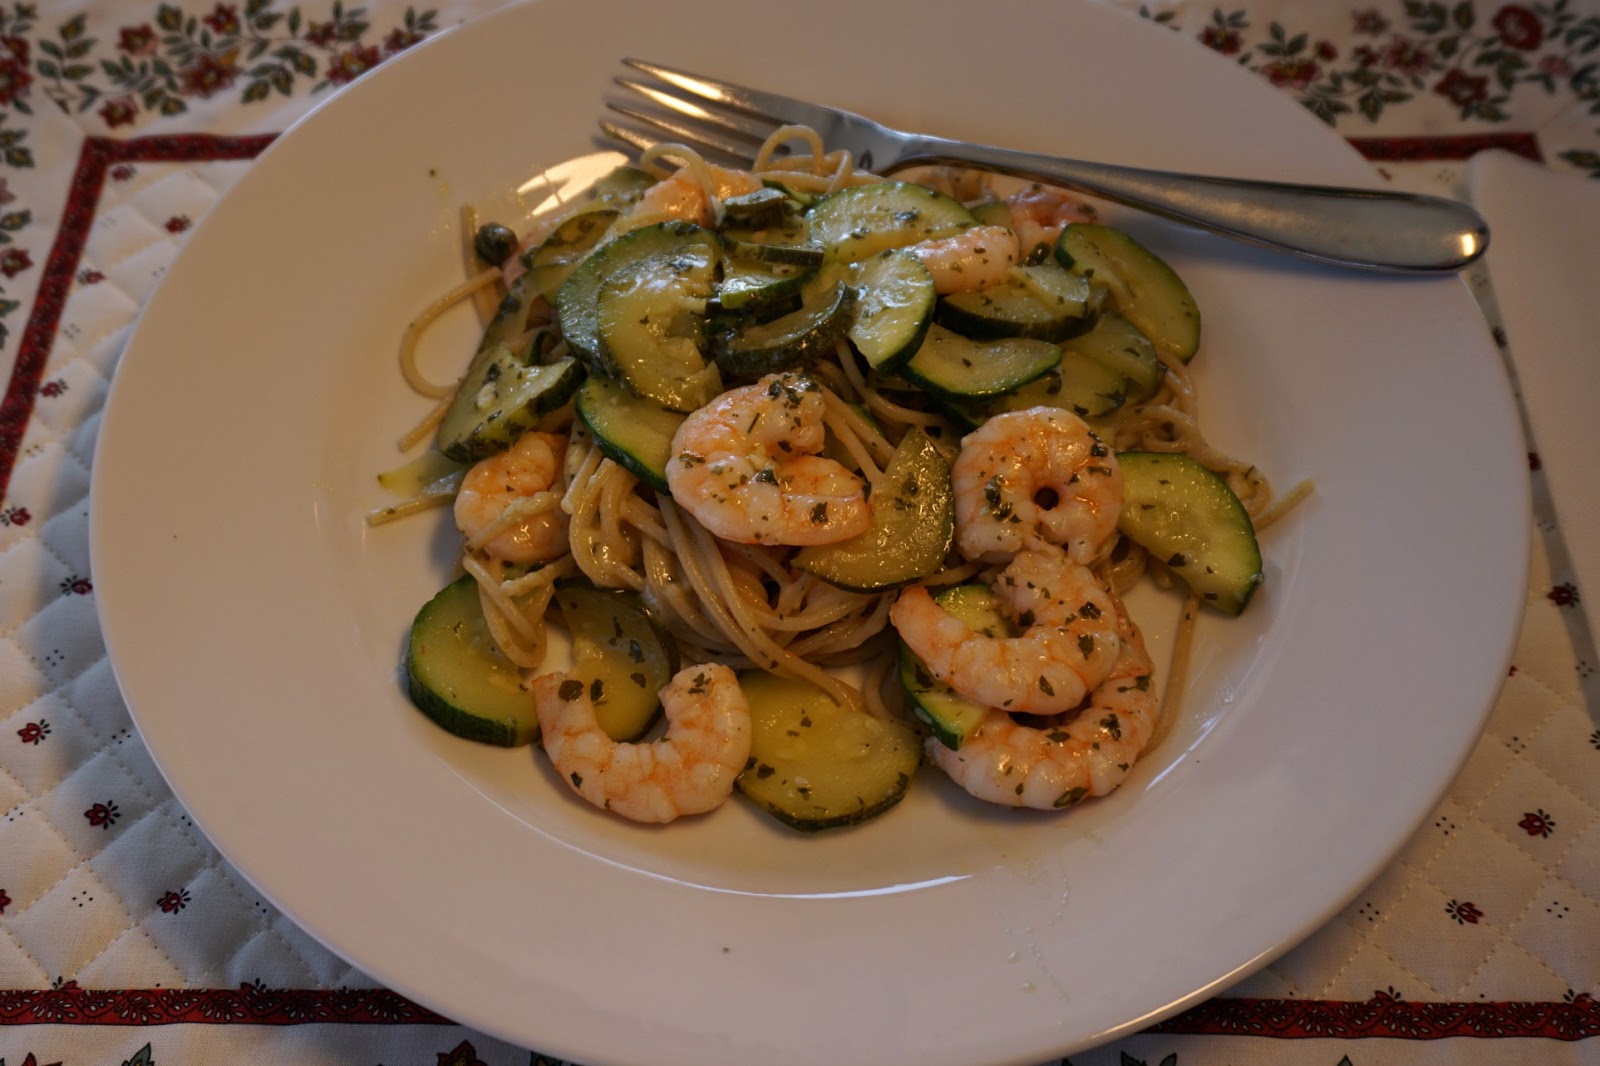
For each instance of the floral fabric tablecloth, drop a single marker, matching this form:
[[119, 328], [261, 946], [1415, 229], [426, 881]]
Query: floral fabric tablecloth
[[125, 938]]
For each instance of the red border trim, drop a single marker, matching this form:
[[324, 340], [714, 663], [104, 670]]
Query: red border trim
[[98, 156], [1435, 149], [1383, 1016], [245, 1005]]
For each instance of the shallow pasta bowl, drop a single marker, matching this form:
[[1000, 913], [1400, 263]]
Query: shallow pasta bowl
[[255, 621]]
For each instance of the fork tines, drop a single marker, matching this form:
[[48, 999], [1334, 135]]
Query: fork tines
[[708, 120]]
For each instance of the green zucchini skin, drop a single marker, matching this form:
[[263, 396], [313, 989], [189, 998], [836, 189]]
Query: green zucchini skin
[[646, 332], [551, 262], [457, 676], [1043, 302], [788, 342], [1145, 289], [630, 430], [503, 396], [1118, 345], [895, 309], [913, 525], [949, 366], [815, 765], [577, 302], [1186, 516]]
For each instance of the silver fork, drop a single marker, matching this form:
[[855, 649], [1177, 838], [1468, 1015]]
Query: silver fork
[[1369, 229]]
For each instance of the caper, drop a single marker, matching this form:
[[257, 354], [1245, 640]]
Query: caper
[[494, 243]]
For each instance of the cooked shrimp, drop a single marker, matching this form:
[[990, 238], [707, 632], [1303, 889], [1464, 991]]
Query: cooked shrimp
[[691, 770], [1009, 762], [1067, 645], [506, 507], [1040, 212], [975, 258], [687, 196], [1039, 476], [746, 466]]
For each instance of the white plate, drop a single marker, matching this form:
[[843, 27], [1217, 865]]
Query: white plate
[[255, 621]]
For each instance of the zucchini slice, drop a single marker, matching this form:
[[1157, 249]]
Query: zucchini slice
[[790, 341], [577, 303], [629, 429], [1043, 301], [458, 677], [859, 222], [552, 260], [1187, 517], [789, 243], [913, 524], [951, 716], [1146, 290], [648, 318], [500, 399], [623, 658], [1078, 384], [952, 367], [816, 765], [895, 309], [1117, 344], [749, 282]]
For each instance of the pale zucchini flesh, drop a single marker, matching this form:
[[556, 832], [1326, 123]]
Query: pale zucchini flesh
[[648, 318], [620, 655], [1186, 516], [895, 308], [1146, 290], [913, 525], [815, 765], [630, 430], [856, 223]]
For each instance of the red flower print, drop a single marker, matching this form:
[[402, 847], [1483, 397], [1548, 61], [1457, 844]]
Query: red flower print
[[90, 277], [1518, 27], [1462, 89], [122, 172], [34, 732], [178, 223], [118, 111], [1534, 462], [1537, 823], [225, 19], [15, 516], [54, 387], [76, 586], [209, 75], [173, 902], [463, 1054], [14, 80], [1407, 57], [104, 815], [5, 901], [1464, 913], [1556, 67], [1326, 51], [321, 34], [1370, 22], [346, 66], [137, 40], [1225, 41], [400, 39], [15, 261], [1563, 595], [17, 46], [1292, 73]]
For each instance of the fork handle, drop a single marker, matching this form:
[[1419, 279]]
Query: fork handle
[[1371, 229]]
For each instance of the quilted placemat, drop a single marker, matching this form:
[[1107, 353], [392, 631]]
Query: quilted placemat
[[124, 934]]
